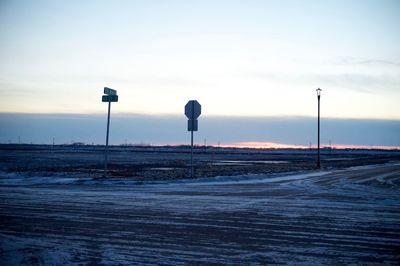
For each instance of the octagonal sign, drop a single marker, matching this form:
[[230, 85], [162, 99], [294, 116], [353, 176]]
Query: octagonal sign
[[192, 109]]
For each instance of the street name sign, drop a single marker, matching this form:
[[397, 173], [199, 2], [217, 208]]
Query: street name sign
[[109, 91], [110, 98]]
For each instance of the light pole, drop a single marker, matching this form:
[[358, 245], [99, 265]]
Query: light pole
[[319, 97]]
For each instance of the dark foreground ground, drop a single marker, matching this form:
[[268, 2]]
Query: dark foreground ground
[[168, 163], [332, 216]]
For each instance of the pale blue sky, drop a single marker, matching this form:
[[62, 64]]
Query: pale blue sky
[[241, 58]]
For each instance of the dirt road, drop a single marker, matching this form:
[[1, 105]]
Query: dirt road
[[338, 217]]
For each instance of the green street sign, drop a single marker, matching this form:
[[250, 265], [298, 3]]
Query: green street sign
[[110, 98], [109, 91]]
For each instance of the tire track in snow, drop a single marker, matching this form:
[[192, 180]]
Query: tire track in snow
[[318, 218]]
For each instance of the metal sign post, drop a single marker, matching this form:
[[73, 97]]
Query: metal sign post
[[192, 112], [319, 97], [111, 96]]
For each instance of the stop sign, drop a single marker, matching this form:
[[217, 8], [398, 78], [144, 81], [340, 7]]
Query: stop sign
[[192, 109]]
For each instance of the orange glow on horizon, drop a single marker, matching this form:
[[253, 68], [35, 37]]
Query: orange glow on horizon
[[263, 145], [272, 145]]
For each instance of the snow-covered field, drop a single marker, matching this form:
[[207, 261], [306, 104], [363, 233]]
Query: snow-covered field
[[173, 162], [347, 216]]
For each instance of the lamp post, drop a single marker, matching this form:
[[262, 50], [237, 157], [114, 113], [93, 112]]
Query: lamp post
[[319, 97]]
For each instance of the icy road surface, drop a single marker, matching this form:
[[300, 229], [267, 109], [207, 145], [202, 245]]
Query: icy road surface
[[339, 217]]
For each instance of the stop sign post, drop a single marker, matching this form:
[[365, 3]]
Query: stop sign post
[[192, 112]]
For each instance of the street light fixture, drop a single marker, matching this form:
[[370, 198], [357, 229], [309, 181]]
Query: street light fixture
[[319, 97]]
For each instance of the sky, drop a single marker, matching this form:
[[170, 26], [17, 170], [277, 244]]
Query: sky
[[239, 59], [294, 132]]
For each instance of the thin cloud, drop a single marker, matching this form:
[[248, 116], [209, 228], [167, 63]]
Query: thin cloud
[[368, 62], [359, 82], [13, 89]]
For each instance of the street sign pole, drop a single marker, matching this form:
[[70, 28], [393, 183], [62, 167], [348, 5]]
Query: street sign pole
[[109, 97], [108, 130]]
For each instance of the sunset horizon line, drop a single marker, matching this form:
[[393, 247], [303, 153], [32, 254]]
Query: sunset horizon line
[[124, 114], [256, 145], [274, 145]]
